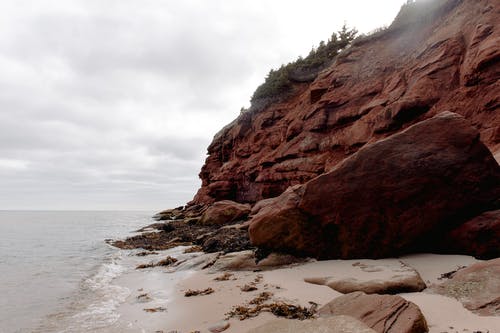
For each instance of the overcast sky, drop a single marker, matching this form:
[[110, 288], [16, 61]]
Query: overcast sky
[[111, 104]]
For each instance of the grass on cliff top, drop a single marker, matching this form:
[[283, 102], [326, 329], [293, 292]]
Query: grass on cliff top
[[279, 82]]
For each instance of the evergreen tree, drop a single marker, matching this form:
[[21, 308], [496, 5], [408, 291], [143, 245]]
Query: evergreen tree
[[279, 83]]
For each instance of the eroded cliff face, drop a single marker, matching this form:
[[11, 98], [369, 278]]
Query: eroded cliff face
[[428, 61]]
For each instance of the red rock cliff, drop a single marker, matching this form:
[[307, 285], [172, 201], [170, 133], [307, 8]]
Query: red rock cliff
[[444, 58]]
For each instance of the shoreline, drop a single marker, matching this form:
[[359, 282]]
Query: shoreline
[[54, 264], [164, 290]]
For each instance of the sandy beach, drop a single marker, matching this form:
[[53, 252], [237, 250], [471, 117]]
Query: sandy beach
[[162, 290]]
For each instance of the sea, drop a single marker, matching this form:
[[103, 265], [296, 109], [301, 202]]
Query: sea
[[56, 269]]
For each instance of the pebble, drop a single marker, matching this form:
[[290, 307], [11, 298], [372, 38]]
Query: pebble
[[219, 327]]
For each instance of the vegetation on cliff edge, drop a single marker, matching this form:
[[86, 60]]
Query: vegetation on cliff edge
[[279, 82]]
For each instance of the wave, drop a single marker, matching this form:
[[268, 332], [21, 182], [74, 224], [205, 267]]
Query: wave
[[95, 304], [103, 311]]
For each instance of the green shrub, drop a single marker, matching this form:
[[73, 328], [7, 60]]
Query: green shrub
[[279, 83]]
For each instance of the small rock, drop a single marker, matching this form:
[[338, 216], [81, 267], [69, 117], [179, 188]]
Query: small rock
[[219, 327], [248, 288], [167, 261], [224, 277]]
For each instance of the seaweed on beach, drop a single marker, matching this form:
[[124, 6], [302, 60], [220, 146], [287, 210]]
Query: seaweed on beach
[[191, 292], [207, 238], [279, 309], [164, 262], [144, 298], [263, 296], [153, 310]]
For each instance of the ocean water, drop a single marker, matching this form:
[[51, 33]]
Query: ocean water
[[56, 270]]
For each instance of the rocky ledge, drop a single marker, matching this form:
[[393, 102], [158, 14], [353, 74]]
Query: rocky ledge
[[419, 190]]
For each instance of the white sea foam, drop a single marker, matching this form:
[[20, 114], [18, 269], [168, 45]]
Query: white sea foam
[[107, 297], [106, 273]]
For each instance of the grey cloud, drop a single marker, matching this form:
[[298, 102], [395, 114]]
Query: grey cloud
[[110, 104]]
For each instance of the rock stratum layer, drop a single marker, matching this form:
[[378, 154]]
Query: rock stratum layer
[[433, 58]]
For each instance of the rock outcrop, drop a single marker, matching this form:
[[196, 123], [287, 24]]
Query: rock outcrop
[[383, 313], [395, 196], [477, 287], [436, 56]]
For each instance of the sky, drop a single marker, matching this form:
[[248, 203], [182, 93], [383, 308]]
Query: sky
[[111, 104]]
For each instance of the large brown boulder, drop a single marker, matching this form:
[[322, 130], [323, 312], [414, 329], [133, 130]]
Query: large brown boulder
[[394, 196], [479, 237], [477, 287], [383, 313], [224, 211]]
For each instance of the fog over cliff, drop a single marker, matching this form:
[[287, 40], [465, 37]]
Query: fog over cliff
[[111, 104]]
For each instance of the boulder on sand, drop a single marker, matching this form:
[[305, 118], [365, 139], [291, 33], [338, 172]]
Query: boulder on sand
[[375, 279], [395, 196], [225, 211], [477, 287], [383, 313]]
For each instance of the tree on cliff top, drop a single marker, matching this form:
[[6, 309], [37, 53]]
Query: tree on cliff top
[[279, 83]]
